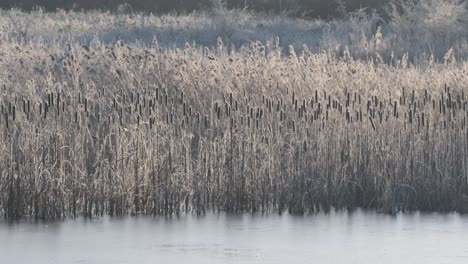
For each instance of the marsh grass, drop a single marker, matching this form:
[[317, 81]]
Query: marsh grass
[[125, 129]]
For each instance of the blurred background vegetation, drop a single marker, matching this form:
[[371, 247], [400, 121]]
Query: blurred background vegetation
[[306, 8]]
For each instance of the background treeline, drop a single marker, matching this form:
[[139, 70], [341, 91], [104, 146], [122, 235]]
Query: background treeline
[[317, 8]]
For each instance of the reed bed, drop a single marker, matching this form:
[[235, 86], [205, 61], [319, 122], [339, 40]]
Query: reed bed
[[127, 129]]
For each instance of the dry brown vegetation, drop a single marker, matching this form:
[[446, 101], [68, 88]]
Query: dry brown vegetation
[[118, 129]]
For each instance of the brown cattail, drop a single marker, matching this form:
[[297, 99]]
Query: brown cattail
[[372, 123]]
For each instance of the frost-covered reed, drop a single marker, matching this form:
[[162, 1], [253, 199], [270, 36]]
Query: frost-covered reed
[[419, 28], [127, 129]]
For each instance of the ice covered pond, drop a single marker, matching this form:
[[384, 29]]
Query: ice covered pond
[[340, 237]]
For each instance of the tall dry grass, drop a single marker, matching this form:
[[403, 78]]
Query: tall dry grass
[[127, 129]]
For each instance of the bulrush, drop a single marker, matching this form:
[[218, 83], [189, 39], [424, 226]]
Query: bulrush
[[159, 139]]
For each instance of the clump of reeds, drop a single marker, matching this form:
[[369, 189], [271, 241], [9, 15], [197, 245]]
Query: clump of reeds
[[124, 129]]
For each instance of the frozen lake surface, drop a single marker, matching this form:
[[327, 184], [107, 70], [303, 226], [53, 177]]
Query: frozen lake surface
[[342, 237]]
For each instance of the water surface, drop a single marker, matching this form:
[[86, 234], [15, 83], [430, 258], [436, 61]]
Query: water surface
[[359, 237]]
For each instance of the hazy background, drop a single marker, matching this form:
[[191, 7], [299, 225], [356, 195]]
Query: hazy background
[[430, 29], [308, 8]]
